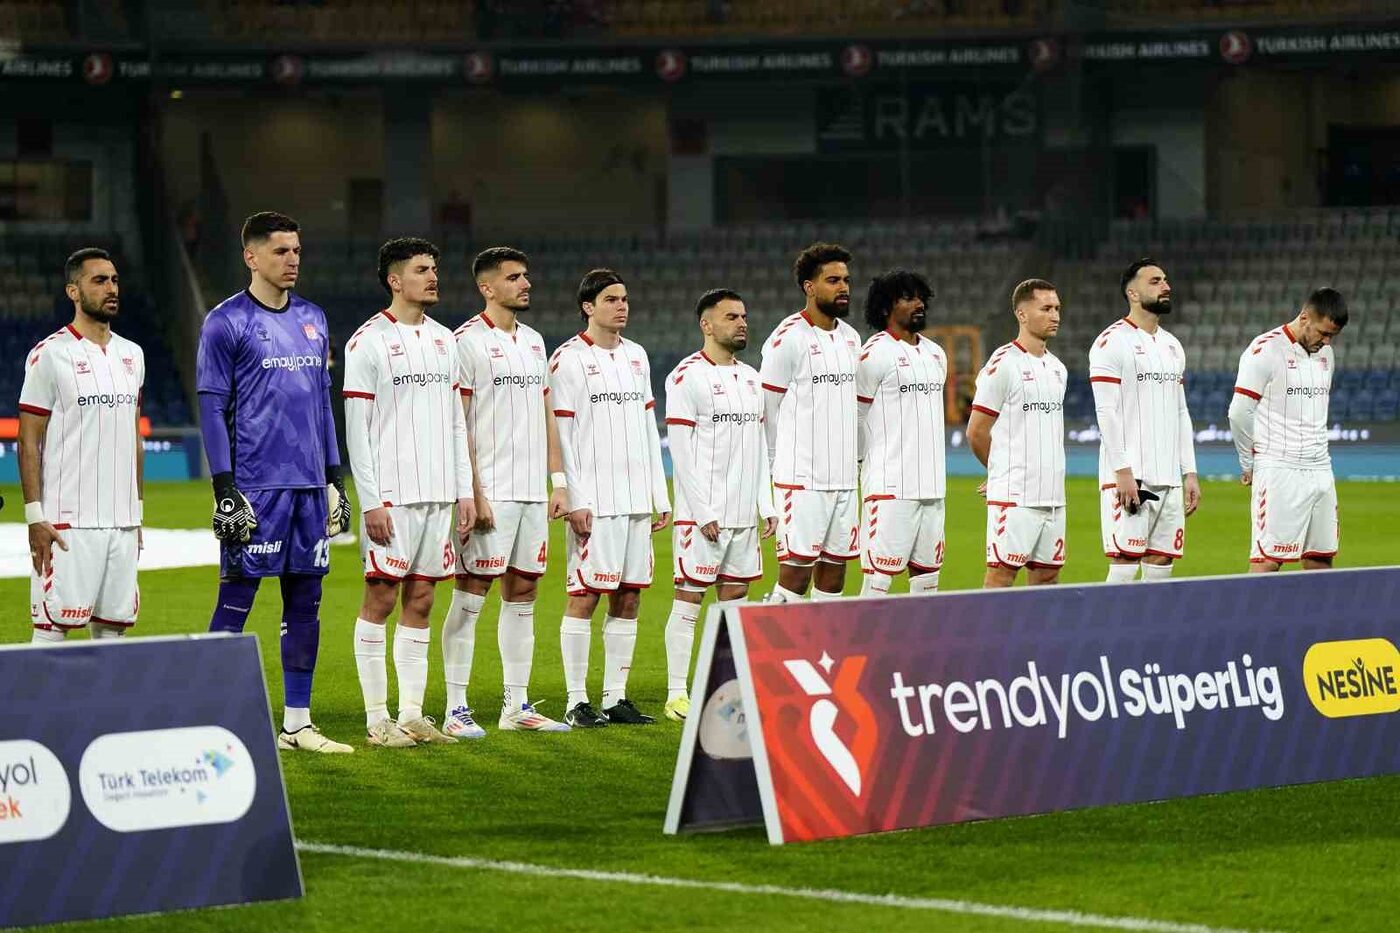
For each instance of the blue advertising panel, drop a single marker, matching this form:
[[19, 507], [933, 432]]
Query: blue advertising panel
[[138, 776]]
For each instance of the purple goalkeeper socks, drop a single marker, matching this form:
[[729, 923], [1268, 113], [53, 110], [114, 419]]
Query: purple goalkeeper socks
[[234, 602], [301, 636]]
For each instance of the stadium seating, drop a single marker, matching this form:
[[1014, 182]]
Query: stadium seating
[[34, 306], [33, 20]]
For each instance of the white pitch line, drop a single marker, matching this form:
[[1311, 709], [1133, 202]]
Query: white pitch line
[[941, 905]]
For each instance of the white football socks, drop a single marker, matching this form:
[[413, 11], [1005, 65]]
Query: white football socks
[[459, 644], [411, 669], [101, 630], [47, 636], [369, 662], [574, 638], [1156, 573], [1122, 573], [875, 584], [924, 583], [619, 644], [680, 639], [822, 595], [780, 595], [515, 637]]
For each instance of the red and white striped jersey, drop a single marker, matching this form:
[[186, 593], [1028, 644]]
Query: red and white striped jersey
[[719, 457], [815, 371], [1026, 395], [92, 397], [1149, 372], [612, 449], [409, 375], [1292, 387], [504, 376], [900, 390]]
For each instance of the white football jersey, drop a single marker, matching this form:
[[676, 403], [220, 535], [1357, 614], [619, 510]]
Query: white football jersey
[[409, 375], [1026, 395], [613, 460], [92, 397], [1150, 373], [504, 376], [900, 388], [720, 409], [1292, 387], [815, 370]]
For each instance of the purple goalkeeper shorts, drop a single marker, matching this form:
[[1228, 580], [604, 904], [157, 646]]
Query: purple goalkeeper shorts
[[290, 537]]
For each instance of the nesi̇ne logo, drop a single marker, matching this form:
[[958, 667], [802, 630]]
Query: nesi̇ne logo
[[1360, 677]]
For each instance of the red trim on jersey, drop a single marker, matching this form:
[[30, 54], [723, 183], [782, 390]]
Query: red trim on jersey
[[1004, 505], [807, 317], [1017, 345], [1241, 390], [73, 330], [650, 405], [866, 399], [35, 410], [1289, 334], [706, 357], [879, 498], [787, 486], [379, 573], [685, 421], [1113, 379], [487, 318], [583, 335], [1123, 552], [387, 505], [62, 526], [999, 562], [563, 413], [466, 393], [986, 411], [386, 313], [1109, 486], [687, 578], [1129, 322], [771, 388], [348, 394]]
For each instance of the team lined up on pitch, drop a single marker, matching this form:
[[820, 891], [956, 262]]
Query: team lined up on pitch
[[464, 444]]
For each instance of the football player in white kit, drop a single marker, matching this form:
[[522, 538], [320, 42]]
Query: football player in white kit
[[719, 457], [600, 387], [899, 386], [809, 379], [1278, 417], [407, 439], [513, 442], [80, 462], [1017, 428], [1138, 373]]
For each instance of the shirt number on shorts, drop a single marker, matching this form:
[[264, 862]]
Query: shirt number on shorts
[[1059, 550], [1180, 538], [323, 552]]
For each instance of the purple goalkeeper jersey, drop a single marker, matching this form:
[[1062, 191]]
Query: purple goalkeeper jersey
[[272, 366]]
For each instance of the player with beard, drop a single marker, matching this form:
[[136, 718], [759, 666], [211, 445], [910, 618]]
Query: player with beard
[[1147, 461], [714, 416], [80, 462], [899, 385], [809, 375], [513, 441]]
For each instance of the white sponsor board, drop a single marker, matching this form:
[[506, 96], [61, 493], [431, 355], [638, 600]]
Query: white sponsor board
[[34, 794]]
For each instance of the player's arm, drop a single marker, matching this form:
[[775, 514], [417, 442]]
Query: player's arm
[[485, 518], [1250, 383], [337, 499], [775, 376], [465, 466], [361, 382], [564, 390], [36, 403], [987, 403], [1190, 484], [559, 497], [218, 348], [767, 514], [1106, 380], [870, 371], [681, 425], [660, 495], [140, 448]]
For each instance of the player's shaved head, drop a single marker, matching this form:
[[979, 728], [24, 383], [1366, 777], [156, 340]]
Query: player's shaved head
[[260, 226], [394, 253], [73, 267], [489, 260]]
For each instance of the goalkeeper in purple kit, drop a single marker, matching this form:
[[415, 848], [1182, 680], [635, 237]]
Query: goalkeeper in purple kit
[[265, 413]]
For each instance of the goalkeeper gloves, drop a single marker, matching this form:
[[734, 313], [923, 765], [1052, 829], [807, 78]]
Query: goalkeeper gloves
[[338, 511], [234, 520]]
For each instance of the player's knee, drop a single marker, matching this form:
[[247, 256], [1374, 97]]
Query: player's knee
[[625, 603], [473, 584], [380, 596], [418, 598], [518, 589], [689, 594]]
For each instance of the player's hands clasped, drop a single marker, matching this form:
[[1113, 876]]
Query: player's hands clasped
[[42, 537], [1125, 493], [664, 519], [379, 525], [234, 520], [581, 523], [467, 518]]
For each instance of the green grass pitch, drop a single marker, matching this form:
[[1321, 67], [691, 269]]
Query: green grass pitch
[[1302, 858]]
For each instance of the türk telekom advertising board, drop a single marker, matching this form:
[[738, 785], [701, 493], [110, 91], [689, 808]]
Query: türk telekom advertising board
[[866, 715], [137, 776]]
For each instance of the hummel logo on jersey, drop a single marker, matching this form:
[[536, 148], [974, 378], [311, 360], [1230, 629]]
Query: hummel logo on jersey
[[902, 361], [441, 347], [592, 369], [617, 398], [1140, 350], [396, 349], [129, 363], [496, 353], [847, 762], [421, 379], [719, 388], [636, 367], [1027, 376], [264, 547], [262, 332], [293, 362], [107, 399], [82, 368], [836, 379], [816, 350], [1292, 363], [310, 331], [538, 351]]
